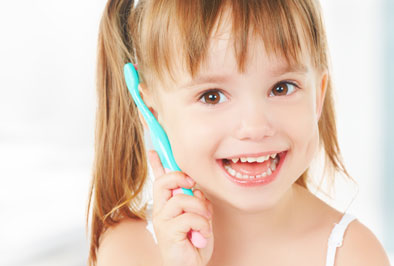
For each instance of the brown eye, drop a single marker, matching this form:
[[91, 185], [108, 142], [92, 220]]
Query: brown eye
[[211, 97], [282, 89]]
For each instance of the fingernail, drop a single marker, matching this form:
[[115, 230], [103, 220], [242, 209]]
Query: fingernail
[[190, 181]]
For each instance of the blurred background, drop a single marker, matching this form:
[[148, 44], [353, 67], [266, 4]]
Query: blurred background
[[48, 104]]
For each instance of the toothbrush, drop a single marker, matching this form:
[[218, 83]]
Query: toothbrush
[[160, 141]]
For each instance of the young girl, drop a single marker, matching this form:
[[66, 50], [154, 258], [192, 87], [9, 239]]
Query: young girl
[[243, 90]]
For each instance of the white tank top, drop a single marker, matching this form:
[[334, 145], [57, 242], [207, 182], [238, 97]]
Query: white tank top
[[334, 241]]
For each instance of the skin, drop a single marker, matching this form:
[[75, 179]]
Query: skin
[[251, 226], [247, 118]]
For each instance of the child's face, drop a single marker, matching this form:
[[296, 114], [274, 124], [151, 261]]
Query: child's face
[[249, 117]]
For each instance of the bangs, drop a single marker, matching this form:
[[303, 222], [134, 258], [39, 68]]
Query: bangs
[[175, 34]]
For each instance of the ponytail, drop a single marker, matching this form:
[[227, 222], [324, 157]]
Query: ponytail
[[120, 166]]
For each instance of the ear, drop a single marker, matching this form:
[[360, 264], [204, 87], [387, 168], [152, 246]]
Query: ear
[[148, 100], [321, 92]]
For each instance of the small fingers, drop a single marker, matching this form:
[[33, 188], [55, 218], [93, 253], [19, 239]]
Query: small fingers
[[198, 193], [185, 203], [191, 221], [163, 188]]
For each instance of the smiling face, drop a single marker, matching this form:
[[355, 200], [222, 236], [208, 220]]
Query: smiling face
[[222, 113]]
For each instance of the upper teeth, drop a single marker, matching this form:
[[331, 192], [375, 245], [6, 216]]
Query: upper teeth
[[254, 159]]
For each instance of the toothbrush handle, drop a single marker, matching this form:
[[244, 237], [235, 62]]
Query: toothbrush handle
[[159, 139], [198, 240]]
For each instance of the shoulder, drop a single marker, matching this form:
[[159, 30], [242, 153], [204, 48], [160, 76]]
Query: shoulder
[[361, 247], [125, 243]]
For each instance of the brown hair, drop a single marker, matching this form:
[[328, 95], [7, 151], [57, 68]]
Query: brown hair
[[146, 33]]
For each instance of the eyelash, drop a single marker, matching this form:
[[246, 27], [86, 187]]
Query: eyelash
[[220, 91]]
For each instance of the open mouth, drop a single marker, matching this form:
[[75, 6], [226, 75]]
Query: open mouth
[[253, 172]]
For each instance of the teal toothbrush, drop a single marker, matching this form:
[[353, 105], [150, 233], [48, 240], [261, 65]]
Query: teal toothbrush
[[159, 139]]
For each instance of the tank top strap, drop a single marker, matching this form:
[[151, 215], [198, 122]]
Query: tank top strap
[[149, 224], [336, 237], [150, 228]]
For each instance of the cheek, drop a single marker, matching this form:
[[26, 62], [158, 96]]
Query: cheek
[[193, 141], [300, 124]]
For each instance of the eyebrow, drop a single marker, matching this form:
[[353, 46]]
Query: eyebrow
[[297, 68]]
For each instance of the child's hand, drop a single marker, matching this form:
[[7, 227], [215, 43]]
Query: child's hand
[[174, 216]]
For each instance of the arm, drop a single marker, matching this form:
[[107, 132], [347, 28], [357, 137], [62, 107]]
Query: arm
[[122, 245]]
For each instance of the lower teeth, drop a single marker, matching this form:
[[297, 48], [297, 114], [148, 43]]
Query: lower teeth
[[269, 171]]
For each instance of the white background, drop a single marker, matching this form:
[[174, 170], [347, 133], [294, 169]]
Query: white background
[[47, 112]]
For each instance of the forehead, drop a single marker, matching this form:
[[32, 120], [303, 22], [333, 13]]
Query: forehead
[[221, 51], [263, 48], [218, 70], [221, 61]]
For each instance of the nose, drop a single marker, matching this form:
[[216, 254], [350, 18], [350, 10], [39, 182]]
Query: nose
[[255, 122]]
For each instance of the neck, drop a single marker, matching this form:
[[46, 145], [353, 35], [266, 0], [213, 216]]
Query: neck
[[241, 229]]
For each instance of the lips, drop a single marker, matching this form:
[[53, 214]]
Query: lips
[[255, 181]]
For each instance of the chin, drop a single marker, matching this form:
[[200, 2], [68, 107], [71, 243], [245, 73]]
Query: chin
[[254, 205]]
